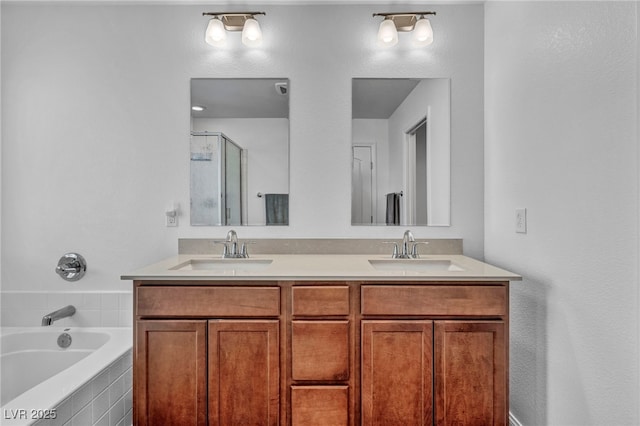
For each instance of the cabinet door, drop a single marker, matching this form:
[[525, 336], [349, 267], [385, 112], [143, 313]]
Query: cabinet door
[[471, 379], [244, 372], [170, 373], [397, 373]]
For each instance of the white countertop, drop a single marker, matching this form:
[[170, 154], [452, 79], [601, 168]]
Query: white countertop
[[323, 267]]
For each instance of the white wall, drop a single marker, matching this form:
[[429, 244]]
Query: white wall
[[1, 154], [561, 140], [96, 126]]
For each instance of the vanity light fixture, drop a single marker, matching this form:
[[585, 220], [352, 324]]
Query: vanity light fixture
[[198, 108], [405, 22], [221, 22]]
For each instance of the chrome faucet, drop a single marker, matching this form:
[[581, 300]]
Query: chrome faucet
[[406, 239], [409, 247], [230, 249], [67, 311]]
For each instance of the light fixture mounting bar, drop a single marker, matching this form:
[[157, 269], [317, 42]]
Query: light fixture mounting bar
[[403, 13], [232, 13], [233, 21]]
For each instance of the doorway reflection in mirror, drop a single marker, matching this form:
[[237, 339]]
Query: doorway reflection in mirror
[[401, 144]]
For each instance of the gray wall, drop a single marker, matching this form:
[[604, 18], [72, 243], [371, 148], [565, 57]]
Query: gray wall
[[561, 140]]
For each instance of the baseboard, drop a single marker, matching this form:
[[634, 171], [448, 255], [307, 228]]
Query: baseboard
[[513, 421]]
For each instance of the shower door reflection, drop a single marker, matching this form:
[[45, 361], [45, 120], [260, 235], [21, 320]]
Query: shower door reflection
[[233, 187], [216, 180]]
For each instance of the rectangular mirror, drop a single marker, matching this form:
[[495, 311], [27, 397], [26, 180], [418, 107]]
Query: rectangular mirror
[[239, 151], [401, 151]]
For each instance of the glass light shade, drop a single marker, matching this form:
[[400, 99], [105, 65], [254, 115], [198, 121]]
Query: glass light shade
[[422, 33], [251, 33], [387, 34], [215, 35]]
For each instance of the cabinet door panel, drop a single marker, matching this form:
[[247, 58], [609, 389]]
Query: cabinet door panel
[[244, 372], [397, 373], [170, 373], [471, 381], [320, 350], [319, 405]]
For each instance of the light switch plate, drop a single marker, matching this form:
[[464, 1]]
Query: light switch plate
[[521, 221]]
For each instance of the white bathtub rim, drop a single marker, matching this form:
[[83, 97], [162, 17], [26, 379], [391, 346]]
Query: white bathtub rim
[[57, 388], [77, 343]]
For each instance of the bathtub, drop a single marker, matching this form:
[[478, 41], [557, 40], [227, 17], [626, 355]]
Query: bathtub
[[45, 384]]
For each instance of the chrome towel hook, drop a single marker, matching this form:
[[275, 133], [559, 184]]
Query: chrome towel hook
[[71, 267]]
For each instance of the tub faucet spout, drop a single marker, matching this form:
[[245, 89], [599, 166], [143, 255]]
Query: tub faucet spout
[[67, 311]]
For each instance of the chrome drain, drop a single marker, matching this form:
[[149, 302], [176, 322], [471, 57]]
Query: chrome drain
[[64, 340]]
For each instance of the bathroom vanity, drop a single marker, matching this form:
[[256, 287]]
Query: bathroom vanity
[[321, 340]]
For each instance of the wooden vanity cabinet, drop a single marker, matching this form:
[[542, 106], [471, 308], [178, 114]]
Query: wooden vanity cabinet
[[206, 355], [435, 354], [321, 353]]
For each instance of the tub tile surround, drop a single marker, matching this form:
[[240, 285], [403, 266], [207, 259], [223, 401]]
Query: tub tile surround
[[106, 399], [93, 309]]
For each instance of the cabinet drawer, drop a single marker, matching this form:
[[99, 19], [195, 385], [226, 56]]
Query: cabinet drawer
[[320, 350], [207, 301], [458, 300], [319, 405], [320, 300]]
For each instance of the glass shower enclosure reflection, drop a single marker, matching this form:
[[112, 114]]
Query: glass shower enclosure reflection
[[217, 172]]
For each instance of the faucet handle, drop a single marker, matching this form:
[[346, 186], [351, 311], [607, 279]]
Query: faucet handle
[[71, 267], [243, 251], [414, 249], [395, 253], [225, 249]]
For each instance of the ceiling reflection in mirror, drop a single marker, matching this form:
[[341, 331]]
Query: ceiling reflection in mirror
[[239, 152], [400, 151]]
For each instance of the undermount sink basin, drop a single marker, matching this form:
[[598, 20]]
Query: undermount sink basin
[[232, 265], [416, 265]]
